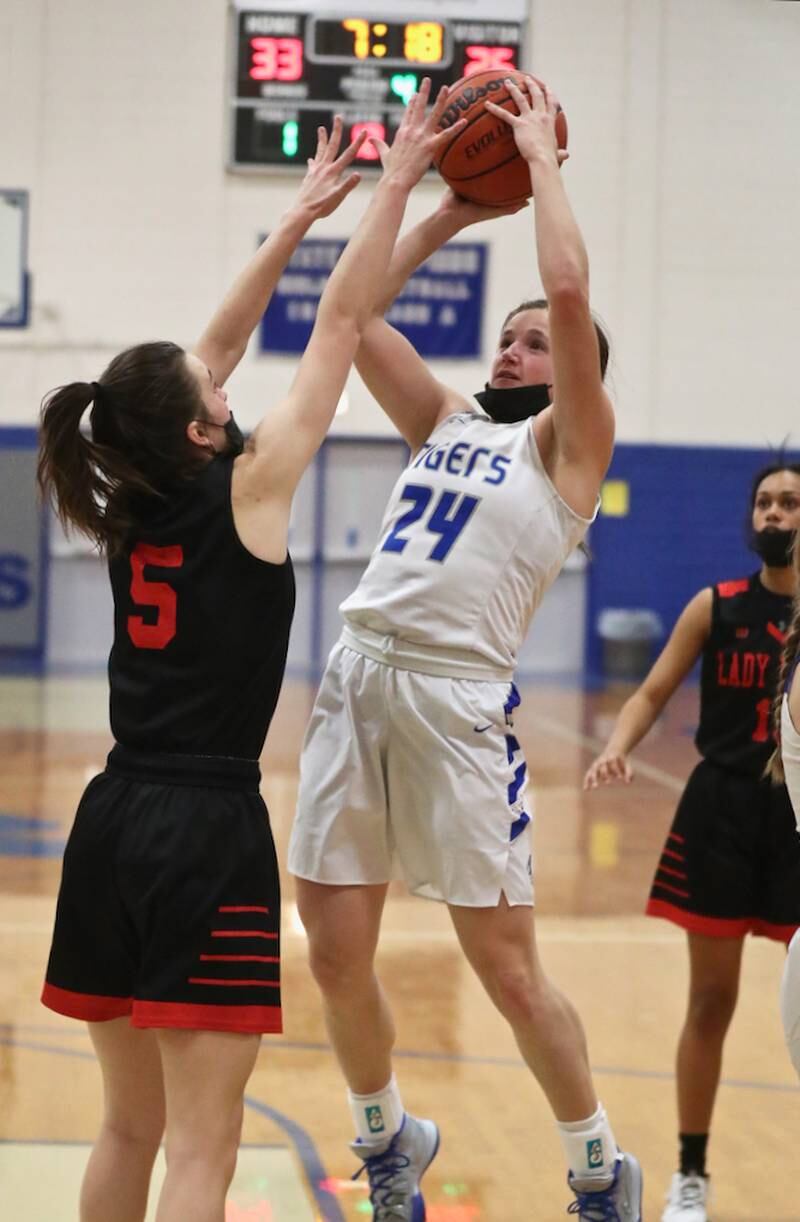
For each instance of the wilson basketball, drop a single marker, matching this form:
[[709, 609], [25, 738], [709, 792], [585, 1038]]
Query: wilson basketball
[[482, 162]]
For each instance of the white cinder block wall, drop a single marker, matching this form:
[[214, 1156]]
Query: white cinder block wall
[[685, 175]]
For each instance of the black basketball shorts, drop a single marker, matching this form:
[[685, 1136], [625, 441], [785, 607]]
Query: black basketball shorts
[[169, 906], [731, 862]]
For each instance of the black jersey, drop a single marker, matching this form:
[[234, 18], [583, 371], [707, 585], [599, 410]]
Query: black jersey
[[740, 664], [201, 629]]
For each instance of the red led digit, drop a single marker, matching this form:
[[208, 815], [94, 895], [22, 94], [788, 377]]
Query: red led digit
[[482, 59], [276, 59], [367, 152]]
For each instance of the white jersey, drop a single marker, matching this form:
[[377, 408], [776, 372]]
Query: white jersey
[[473, 535], [790, 754]]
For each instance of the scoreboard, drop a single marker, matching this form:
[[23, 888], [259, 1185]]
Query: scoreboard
[[293, 70]]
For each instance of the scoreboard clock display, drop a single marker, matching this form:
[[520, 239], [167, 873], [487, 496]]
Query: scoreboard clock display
[[294, 70]]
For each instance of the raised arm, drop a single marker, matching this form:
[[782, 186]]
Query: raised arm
[[638, 714], [327, 182], [394, 373], [576, 436], [282, 446]]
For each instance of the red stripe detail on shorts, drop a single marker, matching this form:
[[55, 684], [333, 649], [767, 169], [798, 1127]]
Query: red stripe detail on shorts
[[242, 908], [258, 984], [245, 1019], [714, 927], [674, 873], [766, 929], [675, 836], [675, 856], [90, 1007], [675, 890], [243, 933], [240, 958]]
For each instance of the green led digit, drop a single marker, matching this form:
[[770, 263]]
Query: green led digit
[[290, 139]]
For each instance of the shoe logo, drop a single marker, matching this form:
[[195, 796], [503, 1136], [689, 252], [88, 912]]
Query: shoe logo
[[594, 1153], [482, 729], [375, 1120]]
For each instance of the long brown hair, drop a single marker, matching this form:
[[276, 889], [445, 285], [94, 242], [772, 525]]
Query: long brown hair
[[791, 645], [138, 449]]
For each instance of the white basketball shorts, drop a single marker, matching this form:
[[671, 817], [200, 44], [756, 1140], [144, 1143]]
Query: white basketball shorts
[[416, 776]]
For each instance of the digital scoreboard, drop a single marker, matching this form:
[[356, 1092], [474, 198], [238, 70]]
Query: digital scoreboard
[[295, 69]]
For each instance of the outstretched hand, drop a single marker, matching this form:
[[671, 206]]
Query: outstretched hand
[[325, 184], [610, 766], [534, 127], [417, 139]]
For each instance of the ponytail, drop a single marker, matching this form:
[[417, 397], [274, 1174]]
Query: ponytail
[[132, 449]]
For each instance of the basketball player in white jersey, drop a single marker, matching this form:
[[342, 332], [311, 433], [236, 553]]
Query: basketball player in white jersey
[[785, 765], [410, 757]]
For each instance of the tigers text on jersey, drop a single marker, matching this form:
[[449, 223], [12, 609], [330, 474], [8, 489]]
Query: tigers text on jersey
[[473, 535], [739, 671], [201, 629]]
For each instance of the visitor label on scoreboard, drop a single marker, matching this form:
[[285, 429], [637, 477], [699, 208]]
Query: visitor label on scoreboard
[[440, 310], [293, 70]]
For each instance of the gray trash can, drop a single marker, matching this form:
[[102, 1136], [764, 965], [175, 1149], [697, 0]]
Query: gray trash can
[[628, 635]]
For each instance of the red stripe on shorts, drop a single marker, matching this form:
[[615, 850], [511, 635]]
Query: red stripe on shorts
[[240, 958], [243, 933], [714, 927], [242, 908], [239, 984], [90, 1007]]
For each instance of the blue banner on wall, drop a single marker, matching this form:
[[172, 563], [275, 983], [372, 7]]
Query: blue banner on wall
[[440, 310], [23, 554]]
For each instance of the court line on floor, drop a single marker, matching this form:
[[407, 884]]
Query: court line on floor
[[558, 729], [409, 1054], [305, 1149]]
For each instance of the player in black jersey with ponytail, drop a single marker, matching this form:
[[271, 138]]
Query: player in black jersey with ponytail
[[731, 862], [167, 930]]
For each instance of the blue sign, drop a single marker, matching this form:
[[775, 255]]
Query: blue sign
[[440, 309]]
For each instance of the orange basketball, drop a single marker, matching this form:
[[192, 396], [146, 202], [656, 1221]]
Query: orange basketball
[[482, 162]]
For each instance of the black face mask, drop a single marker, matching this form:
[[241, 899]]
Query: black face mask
[[514, 403], [235, 437], [773, 546]]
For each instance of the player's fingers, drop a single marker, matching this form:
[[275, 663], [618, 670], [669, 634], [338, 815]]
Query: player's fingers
[[440, 138], [562, 155], [536, 91], [439, 107], [522, 101], [335, 139], [501, 113], [380, 146], [322, 143], [351, 151]]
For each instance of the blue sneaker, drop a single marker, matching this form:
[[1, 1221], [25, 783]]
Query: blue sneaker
[[395, 1170], [621, 1201]]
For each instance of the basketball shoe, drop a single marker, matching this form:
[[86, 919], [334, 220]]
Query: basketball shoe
[[621, 1201], [395, 1169], [686, 1199]]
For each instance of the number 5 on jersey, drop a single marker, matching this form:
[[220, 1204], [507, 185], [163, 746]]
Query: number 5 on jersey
[[447, 519], [153, 594]]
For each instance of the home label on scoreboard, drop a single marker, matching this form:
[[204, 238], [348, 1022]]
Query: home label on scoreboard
[[294, 69]]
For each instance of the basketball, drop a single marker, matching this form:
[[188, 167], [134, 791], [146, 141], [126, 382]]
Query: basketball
[[482, 162]]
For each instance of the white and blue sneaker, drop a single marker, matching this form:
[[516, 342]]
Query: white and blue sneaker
[[395, 1169], [620, 1201]]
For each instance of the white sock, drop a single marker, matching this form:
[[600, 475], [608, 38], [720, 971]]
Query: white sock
[[377, 1117], [589, 1146]]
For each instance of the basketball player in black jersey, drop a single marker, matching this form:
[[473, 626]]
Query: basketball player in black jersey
[[167, 930], [731, 862]]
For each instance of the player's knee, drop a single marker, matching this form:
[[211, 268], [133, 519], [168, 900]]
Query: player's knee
[[140, 1136], [711, 1009], [519, 997], [339, 968]]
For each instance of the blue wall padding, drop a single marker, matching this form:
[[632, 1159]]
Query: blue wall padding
[[685, 529]]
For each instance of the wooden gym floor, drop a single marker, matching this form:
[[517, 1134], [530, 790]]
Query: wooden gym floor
[[500, 1159]]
